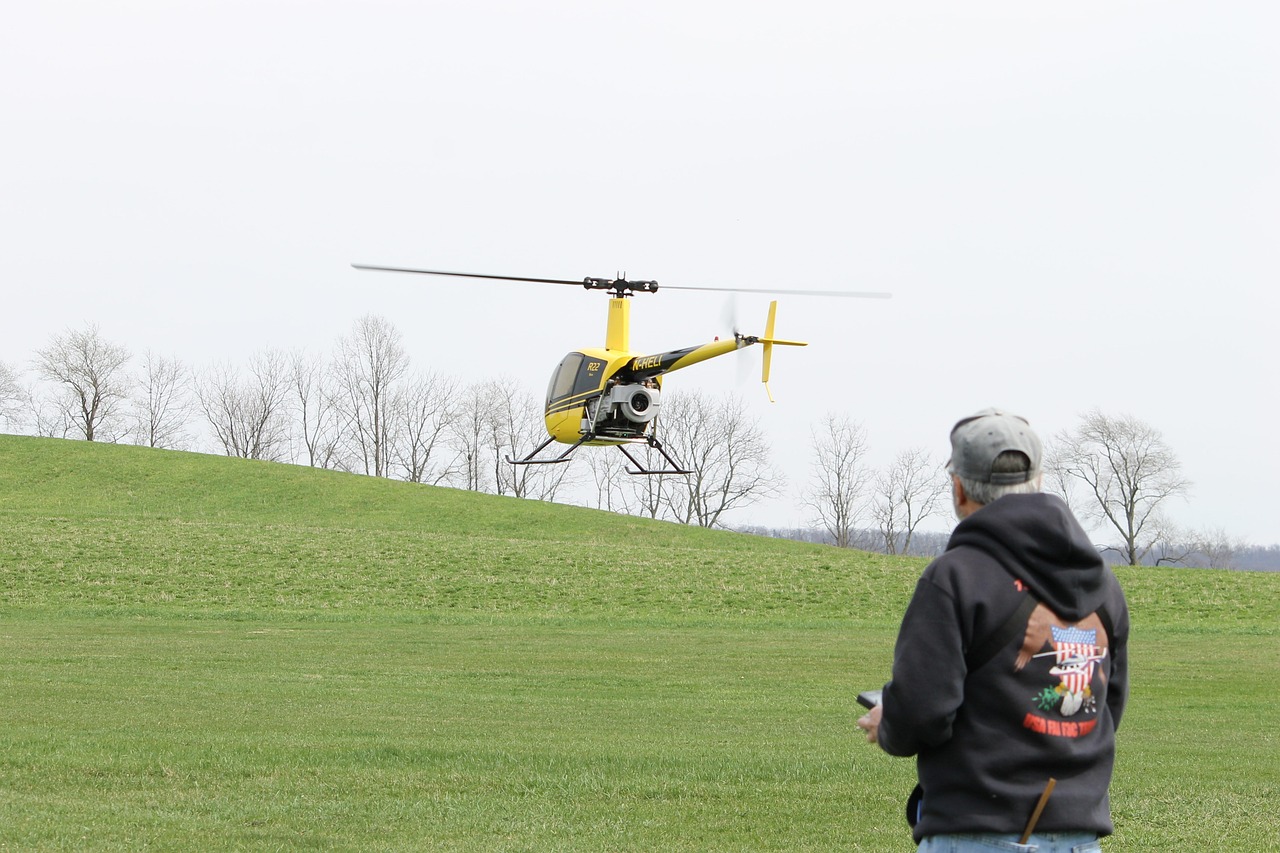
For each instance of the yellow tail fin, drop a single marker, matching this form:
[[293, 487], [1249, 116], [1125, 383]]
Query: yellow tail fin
[[769, 340]]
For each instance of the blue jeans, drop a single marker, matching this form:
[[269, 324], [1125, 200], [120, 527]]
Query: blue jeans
[[1048, 842]]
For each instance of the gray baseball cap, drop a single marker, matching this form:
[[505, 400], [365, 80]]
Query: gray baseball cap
[[977, 440]]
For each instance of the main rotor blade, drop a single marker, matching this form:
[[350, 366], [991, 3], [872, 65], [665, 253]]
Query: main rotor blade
[[777, 291], [578, 282], [848, 294]]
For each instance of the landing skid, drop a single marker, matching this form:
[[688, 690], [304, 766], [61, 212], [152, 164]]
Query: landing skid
[[532, 460], [672, 466]]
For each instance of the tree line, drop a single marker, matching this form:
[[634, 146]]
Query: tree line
[[363, 409], [1115, 472]]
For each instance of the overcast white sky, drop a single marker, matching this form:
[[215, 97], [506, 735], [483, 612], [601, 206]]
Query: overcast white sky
[[1075, 204]]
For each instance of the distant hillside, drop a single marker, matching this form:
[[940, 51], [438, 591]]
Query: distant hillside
[[99, 525], [1252, 558]]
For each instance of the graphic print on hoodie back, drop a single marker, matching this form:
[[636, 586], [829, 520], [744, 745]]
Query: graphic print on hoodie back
[[1070, 656]]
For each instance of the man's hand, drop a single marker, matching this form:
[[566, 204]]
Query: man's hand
[[870, 723]]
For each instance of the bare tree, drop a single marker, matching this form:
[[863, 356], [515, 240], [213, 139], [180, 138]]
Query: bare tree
[[424, 412], [726, 453], [163, 406], [93, 384], [1127, 472], [1170, 543], [838, 479], [467, 437], [651, 495], [314, 414], [11, 396], [248, 415], [367, 369], [46, 418], [1217, 548], [906, 493], [607, 472], [514, 428]]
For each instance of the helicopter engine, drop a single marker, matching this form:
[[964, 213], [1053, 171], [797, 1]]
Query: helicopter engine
[[625, 410], [637, 403]]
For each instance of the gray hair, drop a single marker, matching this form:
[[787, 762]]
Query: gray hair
[[1008, 462]]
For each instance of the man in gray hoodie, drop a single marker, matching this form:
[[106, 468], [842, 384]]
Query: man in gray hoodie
[[1010, 667]]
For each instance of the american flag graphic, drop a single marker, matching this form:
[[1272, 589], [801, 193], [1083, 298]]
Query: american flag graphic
[[1077, 653]]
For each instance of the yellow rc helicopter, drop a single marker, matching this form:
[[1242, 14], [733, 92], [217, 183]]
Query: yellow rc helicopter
[[611, 395]]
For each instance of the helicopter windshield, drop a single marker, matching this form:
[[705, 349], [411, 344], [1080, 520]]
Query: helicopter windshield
[[562, 380], [579, 377]]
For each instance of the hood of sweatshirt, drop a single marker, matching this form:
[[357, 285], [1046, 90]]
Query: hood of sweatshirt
[[1037, 540]]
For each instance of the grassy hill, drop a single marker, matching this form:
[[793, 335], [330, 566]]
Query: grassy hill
[[126, 528], [211, 653]]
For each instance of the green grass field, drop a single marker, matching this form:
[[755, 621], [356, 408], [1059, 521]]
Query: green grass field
[[203, 653]]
